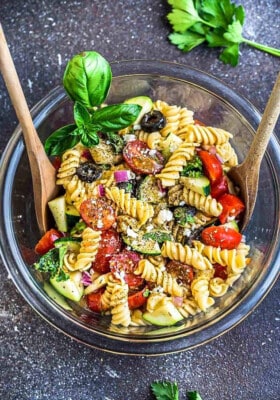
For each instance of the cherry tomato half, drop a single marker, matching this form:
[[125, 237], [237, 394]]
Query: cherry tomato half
[[109, 244], [141, 159], [125, 264], [232, 206], [98, 214], [94, 300], [46, 243], [219, 188], [138, 299], [220, 271], [212, 166], [221, 236], [183, 272]]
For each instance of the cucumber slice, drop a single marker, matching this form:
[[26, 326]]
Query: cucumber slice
[[71, 288], [145, 102], [72, 216], [149, 190], [72, 243], [58, 210], [144, 246], [165, 315], [53, 294], [199, 185]]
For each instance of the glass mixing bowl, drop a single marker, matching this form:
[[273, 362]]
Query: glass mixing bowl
[[214, 103]]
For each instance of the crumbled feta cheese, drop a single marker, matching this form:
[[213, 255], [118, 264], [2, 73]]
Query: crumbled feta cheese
[[164, 216], [129, 138], [99, 224], [158, 289], [187, 232], [149, 228], [182, 203], [130, 232]]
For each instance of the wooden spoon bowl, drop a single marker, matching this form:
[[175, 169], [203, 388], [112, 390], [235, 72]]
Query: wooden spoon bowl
[[246, 175], [43, 172]]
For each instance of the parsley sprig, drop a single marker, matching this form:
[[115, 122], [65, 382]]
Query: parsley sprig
[[165, 390], [219, 23]]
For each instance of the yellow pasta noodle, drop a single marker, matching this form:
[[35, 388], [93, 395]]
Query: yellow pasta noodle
[[185, 254], [88, 249], [175, 164], [206, 135], [130, 205], [206, 204], [162, 278], [201, 294], [70, 162]]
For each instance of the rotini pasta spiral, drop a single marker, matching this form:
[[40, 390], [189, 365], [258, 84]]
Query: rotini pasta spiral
[[200, 292], [119, 305], [185, 119], [217, 287], [69, 165], [153, 140], [185, 254], [172, 115], [75, 192], [227, 153], [162, 278], [171, 172], [189, 308], [88, 249], [235, 260], [130, 205], [206, 135], [206, 204]]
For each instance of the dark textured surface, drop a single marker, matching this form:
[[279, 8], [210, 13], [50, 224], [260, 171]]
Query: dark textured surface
[[38, 362]]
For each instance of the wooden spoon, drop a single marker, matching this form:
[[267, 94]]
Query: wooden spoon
[[43, 173], [246, 175]]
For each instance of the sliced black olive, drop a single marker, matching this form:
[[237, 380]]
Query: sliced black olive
[[153, 121], [129, 186], [88, 172]]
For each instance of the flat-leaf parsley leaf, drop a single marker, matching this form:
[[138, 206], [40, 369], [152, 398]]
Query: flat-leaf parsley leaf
[[219, 23]]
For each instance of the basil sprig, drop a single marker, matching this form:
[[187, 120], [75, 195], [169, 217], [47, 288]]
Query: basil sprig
[[87, 80]]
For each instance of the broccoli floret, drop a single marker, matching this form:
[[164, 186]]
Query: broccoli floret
[[51, 263], [193, 169]]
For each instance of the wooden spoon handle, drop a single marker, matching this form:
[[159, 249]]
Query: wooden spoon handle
[[267, 124], [7, 68]]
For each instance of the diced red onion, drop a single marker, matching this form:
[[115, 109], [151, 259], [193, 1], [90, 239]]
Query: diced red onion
[[101, 190], [177, 301], [220, 158], [121, 175], [86, 279]]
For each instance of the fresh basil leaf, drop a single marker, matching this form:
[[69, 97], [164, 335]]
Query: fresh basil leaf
[[115, 117], [89, 138], [81, 115], [165, 390], [87, 78], [62, 139]]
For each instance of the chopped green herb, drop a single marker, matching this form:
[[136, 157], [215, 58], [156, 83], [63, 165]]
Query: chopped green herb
[[219, 23], [193, 168], [165, 390], [158, 236]]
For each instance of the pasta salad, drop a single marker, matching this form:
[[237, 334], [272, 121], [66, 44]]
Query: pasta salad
[[147, 220]]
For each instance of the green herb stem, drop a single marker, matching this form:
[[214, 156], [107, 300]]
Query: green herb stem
[[259, 46]]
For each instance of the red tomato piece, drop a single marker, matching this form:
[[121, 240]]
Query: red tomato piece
[[56, 162], [183, 272], [198, 122], [124, 264], [98, 214], [94, 301], [46, 243], [212, 166], [219, 188], [220, 271], [232, 206], [141, 159], [221, 236], [138, 299], [109, 244]]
